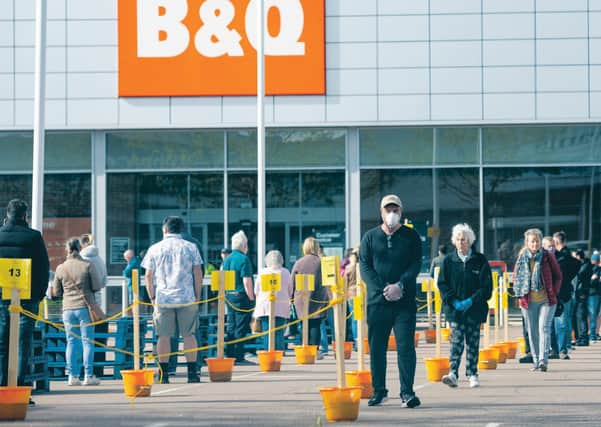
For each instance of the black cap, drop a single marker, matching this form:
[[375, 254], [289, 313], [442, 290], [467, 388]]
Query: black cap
[[226, 251]]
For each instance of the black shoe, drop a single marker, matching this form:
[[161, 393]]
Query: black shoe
[[244, 362], [526, 359], [31, 402], [564, 356], [542, 367], [165, 379], [378, 398], [582, 343], [412, 402], [553, 355], [194, 378]]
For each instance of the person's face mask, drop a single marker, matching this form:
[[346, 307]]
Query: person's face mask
[[392, 219]]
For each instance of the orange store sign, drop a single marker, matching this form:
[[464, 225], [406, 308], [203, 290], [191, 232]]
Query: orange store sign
[[207, 47]]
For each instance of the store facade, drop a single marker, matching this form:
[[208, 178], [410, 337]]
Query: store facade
[[485, 112]]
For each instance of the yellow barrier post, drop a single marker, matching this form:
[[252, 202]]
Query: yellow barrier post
[[359, 313], [495, 298], [15, 280], [305, 283], [437, 366], [271, 359], [136, 314], [505, 306]]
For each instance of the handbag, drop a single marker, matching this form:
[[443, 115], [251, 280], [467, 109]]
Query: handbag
[[95, 312]]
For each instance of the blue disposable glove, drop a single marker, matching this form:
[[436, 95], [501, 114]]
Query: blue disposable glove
[[457, 304], [467, 303]]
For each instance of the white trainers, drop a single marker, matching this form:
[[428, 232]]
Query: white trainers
[[450, 380], [319, 355], [73, 381], [474, 382], [91, 380]]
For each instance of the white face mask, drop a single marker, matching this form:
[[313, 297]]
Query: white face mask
[[392, 219]]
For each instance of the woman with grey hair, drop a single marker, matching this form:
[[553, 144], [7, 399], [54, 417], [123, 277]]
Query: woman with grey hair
[[274, 264], [465, 284], [537, 280]]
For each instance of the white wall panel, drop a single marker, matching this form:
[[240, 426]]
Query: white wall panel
[[403, 54], [7, 113], [24, 112], [559, 52], [562, 78], [595, 51], [351, 108], [135, 111], [300, 109], [351, 82], [455, 27], [404, 107], [57, 9], [449, 54], [455, 6], [508, 26], [403, 81], [508, 79], [351, 55], [509, 106], [350, 7], [594, 4], [456, 80], [560, 5], [595, 104], [55, 85], [554, 106], [595, 78], [92, 85], [238, 110], [403, 28], [7, 63], [493, 6], [595, 24], [90, 112], [401, 7], [25, 33], [24, 9], [550, 25], [351, 29], [92, 59], [7, 86], [6, 33], [92, 33], [456, 107], [96, 9], [24, 59], [56, 113], [195, 111], [508, 52], [8, 8]]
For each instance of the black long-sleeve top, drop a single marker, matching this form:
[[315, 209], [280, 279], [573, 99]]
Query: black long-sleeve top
[[387, 259]]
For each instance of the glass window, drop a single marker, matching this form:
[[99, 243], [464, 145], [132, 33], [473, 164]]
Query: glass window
[[68, 151], [305, 147], [552, 144], [551, 199], [138, 203], [396, 146], [164, 149], [457, 146], [242, 149], [17, 151], [242, 209]]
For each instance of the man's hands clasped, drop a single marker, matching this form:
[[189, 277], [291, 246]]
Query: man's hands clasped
[[393, 292], [463, 305]]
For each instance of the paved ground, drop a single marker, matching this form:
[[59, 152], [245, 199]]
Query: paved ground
[[568, 394]]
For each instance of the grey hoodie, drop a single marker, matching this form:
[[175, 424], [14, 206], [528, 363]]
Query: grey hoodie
[[91, 254]]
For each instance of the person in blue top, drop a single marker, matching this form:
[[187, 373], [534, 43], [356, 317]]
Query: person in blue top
[[241, 298], [133, 263]]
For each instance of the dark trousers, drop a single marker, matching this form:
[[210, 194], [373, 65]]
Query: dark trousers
[[582, 318], [314, 331], [238, 323], [465, 332], [26, 325], [381, 319], [525, 335]]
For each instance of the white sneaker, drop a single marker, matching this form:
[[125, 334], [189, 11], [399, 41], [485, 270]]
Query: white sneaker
[[450, 380], [91, 381], [319, 355], [474, 382], [73, 381]]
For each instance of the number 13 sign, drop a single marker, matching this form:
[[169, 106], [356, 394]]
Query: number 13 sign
[[15, 273]]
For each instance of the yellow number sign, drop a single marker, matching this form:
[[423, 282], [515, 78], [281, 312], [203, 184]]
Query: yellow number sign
[[358, 307], [271, 282], [228, 278], [305, 282], [330, 270], [427, 285], [15, 273]]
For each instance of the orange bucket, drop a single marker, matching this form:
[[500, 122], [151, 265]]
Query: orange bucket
[[391, 343], [436, 367], [348, 349], [502, 347], [220, 370], [360, 379], [305, 354], [430, 336], [416, 339], [487, 358], [445, 333], [137, 383], [14, 402], [270, 361], [341, 404], [512, 348]]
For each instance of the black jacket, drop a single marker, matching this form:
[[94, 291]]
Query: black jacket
[[458, 281], [569, 267], [17, 240], [596, 284], [583, 280]]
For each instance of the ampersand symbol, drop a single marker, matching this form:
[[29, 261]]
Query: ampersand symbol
[[215, 38]]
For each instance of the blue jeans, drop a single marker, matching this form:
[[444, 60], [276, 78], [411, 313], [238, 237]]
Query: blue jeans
[[279, 334], [594, 301], [539, 316], [71, 318], [563, 327], [26, 325]]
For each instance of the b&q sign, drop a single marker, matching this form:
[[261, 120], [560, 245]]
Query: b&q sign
[[208, 47]]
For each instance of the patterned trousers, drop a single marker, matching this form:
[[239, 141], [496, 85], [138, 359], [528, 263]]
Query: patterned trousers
[[468, 331]]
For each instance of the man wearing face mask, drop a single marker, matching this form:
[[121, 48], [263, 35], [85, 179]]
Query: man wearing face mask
[[390, 260]]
